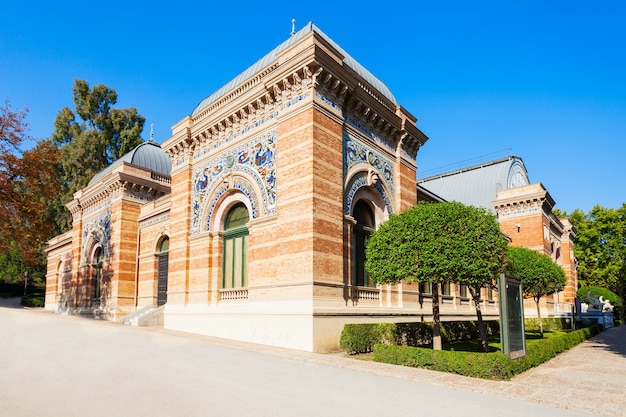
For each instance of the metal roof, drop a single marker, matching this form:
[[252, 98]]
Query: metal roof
[[148, 155], [478, 185], [269, 58]]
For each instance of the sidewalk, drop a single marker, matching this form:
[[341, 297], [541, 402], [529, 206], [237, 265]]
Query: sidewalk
[[590, 377]]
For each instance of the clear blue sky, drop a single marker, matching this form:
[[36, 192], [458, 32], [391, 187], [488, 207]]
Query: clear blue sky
[[545, 79]]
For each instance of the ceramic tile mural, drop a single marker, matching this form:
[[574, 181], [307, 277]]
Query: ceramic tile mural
[[356, 153], [254, 161], [100, 230]]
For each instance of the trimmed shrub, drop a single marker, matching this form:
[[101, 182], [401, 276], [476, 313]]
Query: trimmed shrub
[[361, 338], [597, 292], [493, 365]]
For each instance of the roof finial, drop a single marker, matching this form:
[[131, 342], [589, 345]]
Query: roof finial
[[152, 131], [293, 26]]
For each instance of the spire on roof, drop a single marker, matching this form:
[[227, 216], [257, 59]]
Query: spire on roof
[[293, 26], [152, 132]]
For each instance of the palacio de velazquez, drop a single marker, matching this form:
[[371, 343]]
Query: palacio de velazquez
[[250, 222]]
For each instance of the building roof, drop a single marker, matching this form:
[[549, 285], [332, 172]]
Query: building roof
[[271, 57], [478, 185], [148, 155]]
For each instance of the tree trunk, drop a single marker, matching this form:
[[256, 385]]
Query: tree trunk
[[479, 315], [436, 319], [539, 316]]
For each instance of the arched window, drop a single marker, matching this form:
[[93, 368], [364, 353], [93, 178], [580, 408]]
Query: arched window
[[97, 260], [235, 247], [364, 227], [164, 246], [162, 271]]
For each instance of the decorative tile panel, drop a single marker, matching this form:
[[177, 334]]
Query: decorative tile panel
[[356, 153], [358, 181], [100, 229], [255, 160]]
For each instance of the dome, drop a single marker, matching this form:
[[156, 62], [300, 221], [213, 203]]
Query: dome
[[148, 155]]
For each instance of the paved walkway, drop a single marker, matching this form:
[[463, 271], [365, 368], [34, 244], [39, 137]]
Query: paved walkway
[[55, 365]]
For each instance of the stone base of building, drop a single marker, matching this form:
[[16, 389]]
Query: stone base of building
[[294, 324]]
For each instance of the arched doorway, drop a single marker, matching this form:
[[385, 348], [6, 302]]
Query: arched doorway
[[163, 262], [235, 247], [364, 227]]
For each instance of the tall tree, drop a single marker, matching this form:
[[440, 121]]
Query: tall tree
[[91, 138], [27, 182], [437, 243], [540, 276], [601, 248]]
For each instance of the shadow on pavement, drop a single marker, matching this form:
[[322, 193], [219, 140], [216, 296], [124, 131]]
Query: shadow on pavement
[[612, 340], [12, 302]]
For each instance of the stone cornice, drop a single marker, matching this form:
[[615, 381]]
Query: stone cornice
[[125, 180]]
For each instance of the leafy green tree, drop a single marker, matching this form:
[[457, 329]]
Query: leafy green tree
[[28, 179], [90, 139], [539, 274], [437, 243], [600, 248]]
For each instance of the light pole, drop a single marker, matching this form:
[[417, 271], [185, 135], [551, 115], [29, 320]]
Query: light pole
[[25, 281]]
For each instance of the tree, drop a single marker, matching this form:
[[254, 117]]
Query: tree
[[27, 182], [606, 294], [601, 248], [90, 139], [437, 243], [540, 276]]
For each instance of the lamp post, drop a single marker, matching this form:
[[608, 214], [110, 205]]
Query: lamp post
[[25, 281]]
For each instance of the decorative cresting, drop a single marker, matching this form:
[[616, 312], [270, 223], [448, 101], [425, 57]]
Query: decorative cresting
[[256, 160], [97, 230]]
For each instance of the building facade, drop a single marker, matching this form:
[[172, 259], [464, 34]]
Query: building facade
[[524, 211], [250, 222]]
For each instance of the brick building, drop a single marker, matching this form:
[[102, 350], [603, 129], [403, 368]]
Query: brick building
[[250, 221], [524, 211]]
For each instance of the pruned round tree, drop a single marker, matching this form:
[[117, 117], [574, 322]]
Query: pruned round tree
[[539, 274], [437, 243]]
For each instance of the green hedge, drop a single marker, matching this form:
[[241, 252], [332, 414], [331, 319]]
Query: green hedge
[[361, 338], [549, 324], [494, 365]]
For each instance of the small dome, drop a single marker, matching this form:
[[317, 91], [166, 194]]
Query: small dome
[[148, 155]]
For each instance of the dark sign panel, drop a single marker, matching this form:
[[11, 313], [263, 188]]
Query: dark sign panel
[[511, 317]]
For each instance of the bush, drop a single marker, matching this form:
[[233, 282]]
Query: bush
[[597, 292], [549, 324], [361, 338], [33, 300], [493, 365]]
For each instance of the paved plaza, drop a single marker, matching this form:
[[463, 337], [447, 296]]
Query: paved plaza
[[54, 365]]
